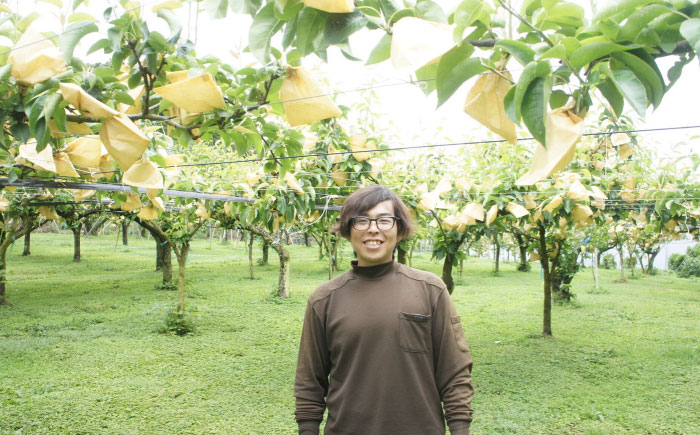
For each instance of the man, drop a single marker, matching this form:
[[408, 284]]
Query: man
[[382, 346]]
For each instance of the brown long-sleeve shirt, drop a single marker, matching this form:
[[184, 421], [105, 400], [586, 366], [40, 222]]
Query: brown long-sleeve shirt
[[382, 348]]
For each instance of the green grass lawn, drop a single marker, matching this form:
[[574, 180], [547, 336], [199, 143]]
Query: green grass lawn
[[79, 351]]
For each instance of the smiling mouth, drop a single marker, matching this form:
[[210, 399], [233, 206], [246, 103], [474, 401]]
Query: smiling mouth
[[373, 243]]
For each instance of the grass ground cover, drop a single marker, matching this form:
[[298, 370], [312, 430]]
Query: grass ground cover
[[79, 352]]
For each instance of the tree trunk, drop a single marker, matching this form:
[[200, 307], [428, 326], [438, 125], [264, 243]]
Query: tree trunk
[[410, 252], [160, 255], [27, 244], [3, 273], [596, 258], [622, 264], [125, 232], [283, 290], [650, 262], [181, 255], [307, 239], [76, 242], [166, 264], [447, 272], [334, 256], [401, 254], [7, 235], [266, 253], [547, 285], [523, 264], [497, 254], [461, 267], [250, 255], [283, 287], [329, 253]]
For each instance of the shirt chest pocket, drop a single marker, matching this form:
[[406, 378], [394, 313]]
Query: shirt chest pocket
[[414, 332]]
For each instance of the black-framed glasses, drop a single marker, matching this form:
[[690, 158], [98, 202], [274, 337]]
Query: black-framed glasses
[[384, 223]]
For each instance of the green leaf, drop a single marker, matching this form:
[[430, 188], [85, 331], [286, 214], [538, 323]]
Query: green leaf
[[534, 107], [310, 26], [431, 11], [402, 13], [57, 3], [72, 35], [21, 132], [81, 16], [426, 75], [35, 112], [261, 30], [532, 70], [42, 134], [674, 73], [468, 12], [114, 36], [52, 101], [690, 29], [632, 89], [558, 99], [565, 9], [157, 42], [25, 22], [287, 10], [509, 104], [134, 79], [521, 51], [5, 72], [646, 74], [347, 51], [612, 94], [454, 68], [388, 7], [173, 21], [124, 98], [592, 51], [340, 26], [381, 52], [639, 19], [217, 8], [619, 7], [556, 52], [609, 28], [59, 117], [99, 45]]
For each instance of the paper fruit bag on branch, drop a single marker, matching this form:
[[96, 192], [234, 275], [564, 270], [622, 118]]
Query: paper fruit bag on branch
[[332, 6], [303, 100], [485, 104], [124, 141], [35, 59], [143, 173], [564, 130], [416, 42], [84, 102], [195, 95]]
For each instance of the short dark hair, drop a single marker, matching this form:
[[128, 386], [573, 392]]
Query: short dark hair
[[365, 199]]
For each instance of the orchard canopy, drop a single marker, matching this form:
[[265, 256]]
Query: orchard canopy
[[113, 111]]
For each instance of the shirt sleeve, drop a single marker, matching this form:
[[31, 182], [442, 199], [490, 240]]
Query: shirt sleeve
[[313, 368], [453, 365]]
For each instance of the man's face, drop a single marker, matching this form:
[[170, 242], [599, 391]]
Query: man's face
[[375, 246]]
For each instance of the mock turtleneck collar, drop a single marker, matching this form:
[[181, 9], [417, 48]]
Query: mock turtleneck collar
[[372, 272]]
